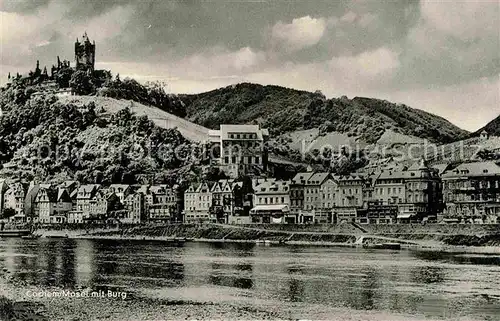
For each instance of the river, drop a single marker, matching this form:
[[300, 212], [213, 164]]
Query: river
[[291, 281]]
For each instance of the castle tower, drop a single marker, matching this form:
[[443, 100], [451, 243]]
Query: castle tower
[[85, 54]]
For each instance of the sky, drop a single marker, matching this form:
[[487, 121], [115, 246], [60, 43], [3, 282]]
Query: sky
[[439, 56]]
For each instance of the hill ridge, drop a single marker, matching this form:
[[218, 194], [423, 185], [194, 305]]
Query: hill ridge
[[283, 110]]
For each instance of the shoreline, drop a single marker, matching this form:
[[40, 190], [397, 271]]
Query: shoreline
[[436, 247]]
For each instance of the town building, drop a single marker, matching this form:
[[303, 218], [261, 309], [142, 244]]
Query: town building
[[85, 199], [162, 203], [349, 197], [472, 192], [135, 206], [240, 149], [121, 190], [223, 200], [51, 205], [14, 199], [197, 203], [297, 188], [3, 189], [272, 203], [319, 198], [415, 190], [99, 203]]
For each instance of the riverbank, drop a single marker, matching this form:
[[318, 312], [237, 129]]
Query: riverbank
[[16, 304], [466, 239]]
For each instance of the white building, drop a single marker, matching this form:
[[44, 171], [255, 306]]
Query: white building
[[240, 149]]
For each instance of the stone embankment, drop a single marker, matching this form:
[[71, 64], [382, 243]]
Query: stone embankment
[[224, 232], [458, 235]]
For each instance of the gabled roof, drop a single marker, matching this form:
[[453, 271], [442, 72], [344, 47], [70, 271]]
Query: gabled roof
[[62, 195], [117, 187], [441, 168], [216, 188], [191, 189], [203, 185], [88, 189], [240, 184], [3, 185], [50, 192], [301, 178], [144, 189]]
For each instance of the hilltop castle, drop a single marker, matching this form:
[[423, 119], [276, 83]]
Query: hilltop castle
[[85, 54], [84, 60]]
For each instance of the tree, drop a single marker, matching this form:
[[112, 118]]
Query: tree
[[8, 213], [63, 77], [82, 83]]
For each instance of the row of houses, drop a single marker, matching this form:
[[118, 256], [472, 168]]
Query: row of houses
[[393, 194], [71, 202], [468, 192]]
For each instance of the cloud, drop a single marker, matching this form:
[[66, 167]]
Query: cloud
[[301, 33], [423, 53], [22, 6], [370, 64], [349, 17], [462, 19], [452, 43]]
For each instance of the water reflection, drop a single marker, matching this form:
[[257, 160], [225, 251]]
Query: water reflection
[[427, 274], [423, 283], [296, 287], [239, 275]]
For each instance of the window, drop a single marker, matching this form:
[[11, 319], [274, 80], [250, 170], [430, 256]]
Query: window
[[257, 160]]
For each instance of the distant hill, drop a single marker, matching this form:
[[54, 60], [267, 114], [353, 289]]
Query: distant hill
[[493, 127], [285, 110]]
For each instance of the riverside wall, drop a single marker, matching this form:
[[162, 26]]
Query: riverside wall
[[377, 229], [456, 234]]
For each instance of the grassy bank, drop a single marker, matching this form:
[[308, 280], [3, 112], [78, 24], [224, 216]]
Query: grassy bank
[[213, 232]]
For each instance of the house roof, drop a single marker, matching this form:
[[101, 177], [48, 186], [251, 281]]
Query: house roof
[[3, 186], [158, 189], [245, 129], [301, 178], [488, 168], [273, 187], [144, 189], [51, 193], [119, 186], [88, 189], [318, 178], [440, 167], [258, 181]]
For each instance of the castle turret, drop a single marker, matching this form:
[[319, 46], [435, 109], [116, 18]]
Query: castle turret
[[85, 54], [37, 72]]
